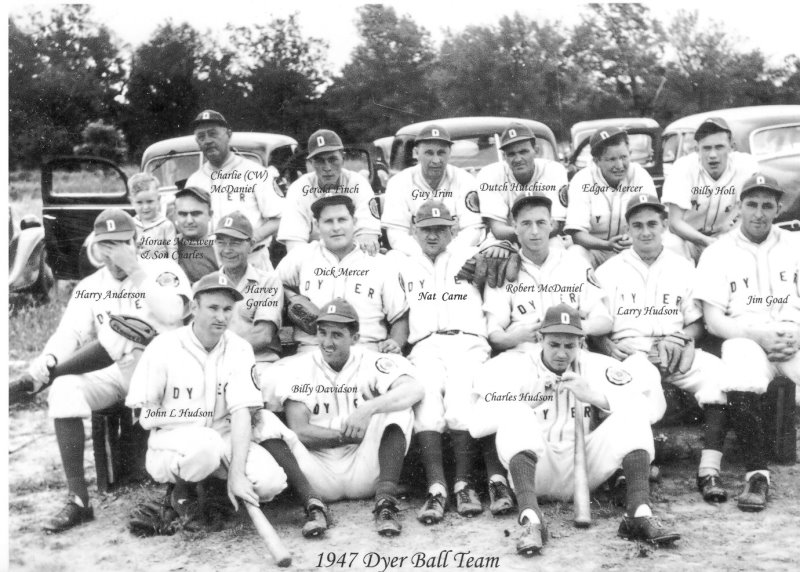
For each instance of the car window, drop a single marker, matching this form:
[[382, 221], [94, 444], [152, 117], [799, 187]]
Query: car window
[[669, 148], [171, 168], [784, 139], [90, 179]]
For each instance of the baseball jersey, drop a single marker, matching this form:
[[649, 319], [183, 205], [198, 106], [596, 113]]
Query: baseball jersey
[[156, 240], [598, 208], [563, 278], [197, 257], [498, 188], [372, 284], [240, 185], [159, 295], [710, 204], [332, 396], [193, 386], [437, 300], [297, 220], [758, 282], [648, 301], [263, 302]]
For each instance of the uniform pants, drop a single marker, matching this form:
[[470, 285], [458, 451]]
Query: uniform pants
[[750, 370]]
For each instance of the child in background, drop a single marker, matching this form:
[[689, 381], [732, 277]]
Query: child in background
[[156, 234]]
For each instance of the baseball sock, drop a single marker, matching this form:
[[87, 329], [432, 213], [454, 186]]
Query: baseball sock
[[714, 437], [523, 472], [70, 437], [463, 451], [636, 466], [490, 459], [430, 447], [391, 453], [283, 456], [746, 420]]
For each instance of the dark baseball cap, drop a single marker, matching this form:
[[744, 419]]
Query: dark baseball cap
[[759, 182], [562, 319], [114, 224], [201, 195], [433, 213], [641, 200], [322, 141], [330, 200], [339, 311], [216, 281], [209, 116], [530, 198], [603, 138], [515, 133], [433, 133], [710, 126], [234, 224]]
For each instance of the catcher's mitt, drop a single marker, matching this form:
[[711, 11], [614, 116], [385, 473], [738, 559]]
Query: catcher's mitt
[[490, 267], [302, 312], [153, 518], [672, 354], [132, 328]]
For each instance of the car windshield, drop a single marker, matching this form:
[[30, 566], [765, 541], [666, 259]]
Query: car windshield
[[641, 151], [178, 167], [780, 140]]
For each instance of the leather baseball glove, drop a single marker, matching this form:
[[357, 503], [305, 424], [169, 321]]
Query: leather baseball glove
[[302, 312], [21, 390], [673, 353], [132, 328], [494, 265], [153, 518]]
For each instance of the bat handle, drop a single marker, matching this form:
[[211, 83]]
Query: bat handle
[[581, 502]]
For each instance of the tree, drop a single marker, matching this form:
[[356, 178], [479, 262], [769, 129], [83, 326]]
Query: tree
[[102, 140]]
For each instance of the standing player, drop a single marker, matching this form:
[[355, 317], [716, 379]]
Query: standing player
[[432, 178], [154, 291], [598, 194], [748, 283], [702, 188], [329, 178], [335, 266], [192, 218], [649, 296], [350, 412], [535, 424]]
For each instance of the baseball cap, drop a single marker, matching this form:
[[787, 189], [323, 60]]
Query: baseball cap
[[322, 141], [515, 133], [761, 182], [433, 133], [433, 213], [339, 311], [605, 137], [201, 195], [234, 224], [561, 319], [216, 281], [209, 116], [710, 126], [114, 224], [530, 198], [329, 200], [640, 200]]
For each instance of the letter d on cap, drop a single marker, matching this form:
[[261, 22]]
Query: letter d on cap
[[320, 140], [565, 318], [111, 226]]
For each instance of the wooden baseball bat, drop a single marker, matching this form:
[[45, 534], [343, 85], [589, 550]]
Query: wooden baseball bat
[[269, 536], [580, 499]]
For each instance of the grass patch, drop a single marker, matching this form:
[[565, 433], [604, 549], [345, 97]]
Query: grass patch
[[29, 327]]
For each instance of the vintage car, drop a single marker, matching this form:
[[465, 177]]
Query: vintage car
[[771, 133]]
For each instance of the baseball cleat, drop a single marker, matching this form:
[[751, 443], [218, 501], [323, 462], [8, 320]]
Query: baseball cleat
[[386, 522], [754, 495], [316, 519], [432, 510], [467, 502], [647, 529], [711, 488], [501, 499], [72, 514], [532, 538]]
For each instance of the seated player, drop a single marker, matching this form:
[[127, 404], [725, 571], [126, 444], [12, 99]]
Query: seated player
[[195, 248], [656, 321], [535, 430], [349, 409], [748, 284]]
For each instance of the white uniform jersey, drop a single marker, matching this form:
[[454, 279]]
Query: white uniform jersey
[[710, 204], [498, 189], [332, 396], [372, 284], [159, 295], [408, 189], [192, 386], [563, 278], [756, 282], [240, 185], [648, 301], [598, 208], [437, 300], [297, 219]]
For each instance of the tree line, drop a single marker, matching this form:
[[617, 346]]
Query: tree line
[[73, 86]]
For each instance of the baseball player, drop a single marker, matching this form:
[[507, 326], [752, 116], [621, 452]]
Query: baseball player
[[349, 411], [192, 218], [534, 418], [236, 183], [702, 188], [432, 178], [598, 194], [155, 291], [448, 334], [748, 284], [329, 178], [335, 266], [656, 321]]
